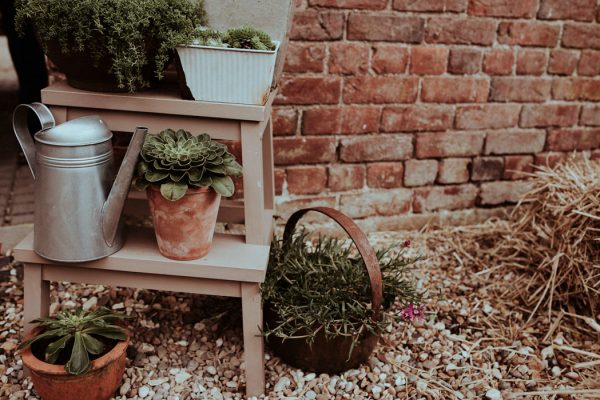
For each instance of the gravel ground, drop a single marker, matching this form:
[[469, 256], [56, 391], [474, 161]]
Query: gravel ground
[[471, 346]]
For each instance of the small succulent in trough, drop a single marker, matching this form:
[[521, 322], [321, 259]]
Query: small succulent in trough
[[178, 160], [245, 37], [77, 336]]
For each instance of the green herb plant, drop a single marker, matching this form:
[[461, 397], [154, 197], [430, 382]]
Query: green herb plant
[[245, 37], [77, 336], [119, 30], [324, 287], [178, 160]]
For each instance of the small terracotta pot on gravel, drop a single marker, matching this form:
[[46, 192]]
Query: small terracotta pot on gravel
[[100, 382], [184, 228]]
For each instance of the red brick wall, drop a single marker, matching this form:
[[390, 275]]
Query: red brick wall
[[404, 107]]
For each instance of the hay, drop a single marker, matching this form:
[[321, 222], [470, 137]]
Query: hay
[[551, 242]]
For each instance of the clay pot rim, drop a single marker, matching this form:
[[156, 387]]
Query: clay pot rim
[[190, 190], [40, 367]]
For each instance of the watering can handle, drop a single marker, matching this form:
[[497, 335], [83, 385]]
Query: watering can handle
[[362, 244], [21, 128]]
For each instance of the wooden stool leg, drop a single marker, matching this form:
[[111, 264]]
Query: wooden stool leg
[[253, 341], [37, 295]]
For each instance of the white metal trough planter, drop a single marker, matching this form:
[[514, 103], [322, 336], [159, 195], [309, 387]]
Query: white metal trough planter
[[226, 75]]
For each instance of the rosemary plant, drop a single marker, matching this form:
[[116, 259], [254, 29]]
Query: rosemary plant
[[325, 287]]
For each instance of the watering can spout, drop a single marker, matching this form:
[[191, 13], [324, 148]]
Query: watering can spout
[[21, 128], [113, 207]]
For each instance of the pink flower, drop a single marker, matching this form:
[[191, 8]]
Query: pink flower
[[412, 312], [407, 243]]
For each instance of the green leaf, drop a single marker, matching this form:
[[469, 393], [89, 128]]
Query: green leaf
[[80, 360], [223, 185], [195, 174], [92, 345], [110, 331], [155, 176], [45, 335], [173, 191], [53, 350]]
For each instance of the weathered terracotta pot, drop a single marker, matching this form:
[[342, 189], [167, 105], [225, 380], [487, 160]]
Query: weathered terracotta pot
[[184, 228], [100, 382]]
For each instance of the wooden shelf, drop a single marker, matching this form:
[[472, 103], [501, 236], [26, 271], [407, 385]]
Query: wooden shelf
[[229, 259], [165, 100]]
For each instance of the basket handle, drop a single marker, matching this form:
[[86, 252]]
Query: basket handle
[[362, 244]]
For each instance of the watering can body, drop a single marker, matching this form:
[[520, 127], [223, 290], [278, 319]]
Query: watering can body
[[78, 199]]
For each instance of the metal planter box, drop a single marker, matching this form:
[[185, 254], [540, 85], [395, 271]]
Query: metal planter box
[[227, 75]]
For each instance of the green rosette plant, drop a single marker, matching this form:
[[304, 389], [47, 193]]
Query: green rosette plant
[[77, 336], [178, 160], [119, 30], [246, 37]]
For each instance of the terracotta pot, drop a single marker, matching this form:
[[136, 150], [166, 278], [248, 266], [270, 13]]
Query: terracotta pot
[[184, 228], [82, 74], [100, 382]]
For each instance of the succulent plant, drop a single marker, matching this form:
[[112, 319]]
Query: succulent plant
[[246, 37], [77, 335], [179, 160]]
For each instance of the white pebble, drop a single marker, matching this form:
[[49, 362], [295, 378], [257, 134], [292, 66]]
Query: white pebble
[[493, 394], [157, 382], [547, 352], [144, 391], [400, 379], [216, 394], [282, 384], [182, 377], [211, 370], [311, 395], [310, 377], [556, 371], [91, 302]]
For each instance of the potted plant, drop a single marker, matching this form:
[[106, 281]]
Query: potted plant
[[184, 177], [112, 45], [77, 355], [322, 312], [235, 66]]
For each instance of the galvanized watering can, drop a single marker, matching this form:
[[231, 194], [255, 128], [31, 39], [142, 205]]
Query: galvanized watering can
[[77, 205]]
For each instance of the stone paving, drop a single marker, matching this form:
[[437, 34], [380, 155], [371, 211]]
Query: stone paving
[[16, 182]]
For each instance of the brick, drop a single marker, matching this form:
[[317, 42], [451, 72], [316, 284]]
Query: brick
[[465, 61], [285, 121], [348, 58], [279, 178], [304, 150], [449, 144], [503, 8], [581, 36], [454, 197], [430, 5], [355, 4], [590, 115], [495, 193], [573, 139], [317, 25], [302, 57], [488, 116], [521, 90], [498, 62], [346, 177], [562, 62], [580, 10], [454, 170], [589, 65], [309, 90], [386, 203], [376, 148], [487, 169], [460, 31], [417, 118], [549, 115], [531, 62], [340, 120], [516, 167], [390, 28], [389, 59], [454, 90], [286, 208], [380, 89], [385, 175], [306, 180], [420, 172], [428, 60], [515, 141], [576, 89], [539, 34]]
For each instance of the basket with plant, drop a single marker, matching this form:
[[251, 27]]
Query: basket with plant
[[112, 45], [322, 312], [184, 177], [77, 354]]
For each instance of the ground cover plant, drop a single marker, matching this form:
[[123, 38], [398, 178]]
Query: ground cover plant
[[246, 37], [119, 30]]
